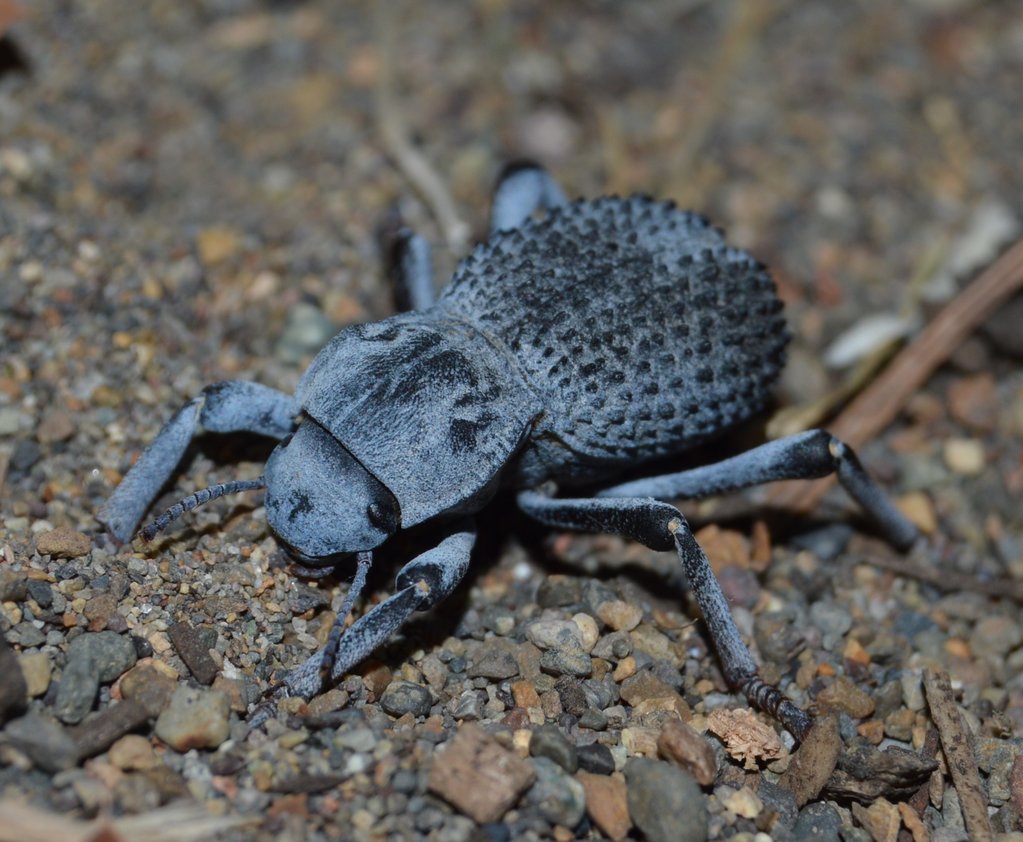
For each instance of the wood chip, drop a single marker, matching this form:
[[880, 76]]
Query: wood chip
[[478, 776], [746, 738], [814, 760], [957, 744]]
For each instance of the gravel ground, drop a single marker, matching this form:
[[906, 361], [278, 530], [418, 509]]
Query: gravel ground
[[191, 192]]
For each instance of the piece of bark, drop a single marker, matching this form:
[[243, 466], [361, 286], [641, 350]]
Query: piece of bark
[[957, 744], [814, 761], [864, 773]]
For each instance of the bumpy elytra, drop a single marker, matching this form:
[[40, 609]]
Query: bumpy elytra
[[601, 336]]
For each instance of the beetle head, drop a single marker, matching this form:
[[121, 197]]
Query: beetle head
[[321, 501]]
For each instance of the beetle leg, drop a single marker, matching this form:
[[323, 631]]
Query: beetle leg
[[522, 188], [661, 527], [421, 583], [409, 267], [227, 407], [809, 455]]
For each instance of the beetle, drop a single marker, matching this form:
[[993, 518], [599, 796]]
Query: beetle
[[579, 340]]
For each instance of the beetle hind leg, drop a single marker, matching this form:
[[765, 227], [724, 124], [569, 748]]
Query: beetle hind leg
[[809, 455], [662, 527], [408, 262], [523, 187]]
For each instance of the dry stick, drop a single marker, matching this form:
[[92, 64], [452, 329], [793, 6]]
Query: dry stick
[[746, 22], [958, 747], [877, 406], [949, 580], [416, 168]]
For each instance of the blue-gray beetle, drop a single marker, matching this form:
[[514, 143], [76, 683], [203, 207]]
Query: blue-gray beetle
[[581, 339]]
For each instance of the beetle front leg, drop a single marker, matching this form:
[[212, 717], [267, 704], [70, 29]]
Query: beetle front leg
[[662, 527], [422, 583], [226, 407], [522, 188]]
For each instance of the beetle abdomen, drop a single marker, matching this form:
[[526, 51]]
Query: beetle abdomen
[[642, 330]]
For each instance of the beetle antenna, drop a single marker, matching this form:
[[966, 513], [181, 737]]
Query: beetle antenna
[[151, 530]]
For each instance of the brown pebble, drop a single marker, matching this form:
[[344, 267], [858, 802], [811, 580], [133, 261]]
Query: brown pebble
[[872, 731], [149, 686], [845, 696], [814, 761], [724, 547], [607, 803], [63, 542], [881, 820], [620, 615], [376, 677], [99, 610], [56, 425], [131, 752], [193, 650], [525, 695], [498, 777], [216, 244], [686, 747], [973, 402]]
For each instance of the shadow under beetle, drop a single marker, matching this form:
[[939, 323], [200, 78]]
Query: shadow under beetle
[[565, 349]]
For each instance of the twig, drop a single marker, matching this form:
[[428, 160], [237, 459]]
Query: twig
[[416, 168], [746, 21], [949, 580], [877, 406], [957, 744]]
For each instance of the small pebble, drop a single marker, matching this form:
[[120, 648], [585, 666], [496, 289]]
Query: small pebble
[[44, 741], [133, 751], [194, 719], [817, 822], [665, 803], [964, 456], [36, 668], [403, 697], [63, 543], [56, 425], [554, 634], [596, 758], [549, 742], [620, 615], [566, 662], [494, 659], [607, 803], [559, 797]]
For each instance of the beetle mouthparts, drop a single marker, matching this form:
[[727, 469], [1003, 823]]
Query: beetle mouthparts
[[151, 530]]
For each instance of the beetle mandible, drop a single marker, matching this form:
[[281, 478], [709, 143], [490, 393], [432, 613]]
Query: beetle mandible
[[567, 347]]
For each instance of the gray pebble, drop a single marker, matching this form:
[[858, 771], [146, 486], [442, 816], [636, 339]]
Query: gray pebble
[[111, 654], [44, 741], [13, 689], [782, 802], [468, 706], [827, 543], [593, 719], [548, 741], [494, 660], [832, 620], [41, 592], [76, 691], [306, 330], [26, 635], [596, 758], [557, 592], [665, 802], [566, 662], [403, 697], [817, 822], [554, 634], [560, 798]]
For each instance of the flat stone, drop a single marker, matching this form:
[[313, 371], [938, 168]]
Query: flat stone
[[596, 758], [686, 747], [495, 659], [478, 776], [99, 731], [93, 658], [63, 542], [43, 741], [194, 719], [607, 804], [192, 647], [566, 662], [665, 803]]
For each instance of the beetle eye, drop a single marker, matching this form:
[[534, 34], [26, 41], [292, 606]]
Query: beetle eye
[[383, 517]]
